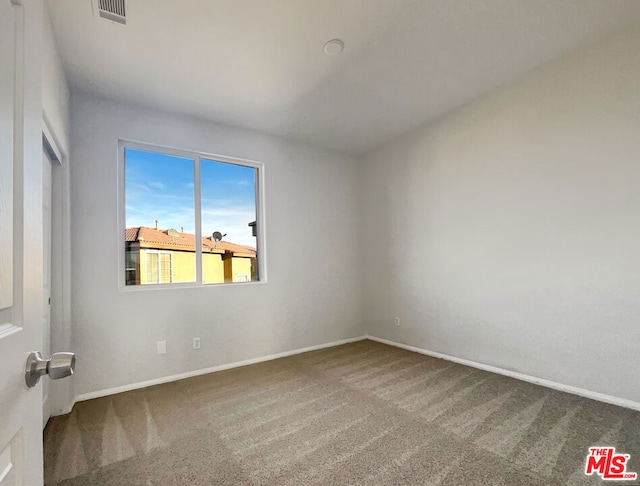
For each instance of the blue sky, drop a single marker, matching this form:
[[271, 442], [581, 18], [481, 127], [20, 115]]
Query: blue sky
[[161, 187]]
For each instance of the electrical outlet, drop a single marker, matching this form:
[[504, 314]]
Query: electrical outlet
[[396, 321], [161, 347], [196, 343]]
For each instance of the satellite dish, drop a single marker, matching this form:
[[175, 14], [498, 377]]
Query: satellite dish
[[172, 232], [217, 236]]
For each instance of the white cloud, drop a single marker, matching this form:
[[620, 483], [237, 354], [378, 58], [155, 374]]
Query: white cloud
[[157, 185]]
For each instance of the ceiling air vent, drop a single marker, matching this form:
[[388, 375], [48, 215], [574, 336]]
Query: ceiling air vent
[[110, 10]]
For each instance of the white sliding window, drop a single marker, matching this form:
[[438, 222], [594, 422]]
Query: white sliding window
[[189, 218]]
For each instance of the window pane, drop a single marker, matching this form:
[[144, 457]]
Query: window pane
[[152, 268], [160, 218], [165, 267], [229, 211], [132, 266]]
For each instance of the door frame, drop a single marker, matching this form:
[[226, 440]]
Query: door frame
[[51, 156], [61, 392]]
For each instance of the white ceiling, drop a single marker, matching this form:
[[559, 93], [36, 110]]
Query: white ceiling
[[260, 64]]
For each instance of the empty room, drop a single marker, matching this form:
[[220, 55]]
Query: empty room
[[418, 242]]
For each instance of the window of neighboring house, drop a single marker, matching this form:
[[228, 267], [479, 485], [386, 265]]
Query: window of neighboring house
[[132, 268], [158, 267], [174, 199]]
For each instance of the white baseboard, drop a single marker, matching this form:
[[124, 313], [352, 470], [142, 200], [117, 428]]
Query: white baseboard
[[213, 369], [65, 410], [601, 397]]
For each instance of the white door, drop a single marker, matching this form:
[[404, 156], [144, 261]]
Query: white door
[[21, 242]]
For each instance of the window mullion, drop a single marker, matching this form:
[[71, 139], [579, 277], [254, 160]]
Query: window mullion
[[198, 216]]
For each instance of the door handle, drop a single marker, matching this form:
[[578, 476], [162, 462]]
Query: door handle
[[59, 366]]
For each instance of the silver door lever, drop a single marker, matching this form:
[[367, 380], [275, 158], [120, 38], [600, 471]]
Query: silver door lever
[[59, 366]]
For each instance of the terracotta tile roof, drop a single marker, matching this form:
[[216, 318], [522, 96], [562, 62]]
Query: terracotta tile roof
[[131, 234], [147, 237], [235, 248]]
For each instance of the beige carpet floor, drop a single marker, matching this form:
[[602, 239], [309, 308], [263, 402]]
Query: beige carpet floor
[[362, 413]]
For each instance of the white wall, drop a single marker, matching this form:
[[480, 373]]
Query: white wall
[[312, 295], [508, 232], [55, 108]]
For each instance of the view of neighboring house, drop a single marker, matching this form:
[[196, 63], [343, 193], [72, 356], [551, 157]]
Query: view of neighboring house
[[155, 256]]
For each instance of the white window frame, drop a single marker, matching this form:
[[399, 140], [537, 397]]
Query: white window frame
[[197, 157]]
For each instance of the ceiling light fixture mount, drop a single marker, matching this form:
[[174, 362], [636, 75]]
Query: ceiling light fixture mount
[[334, 47]]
